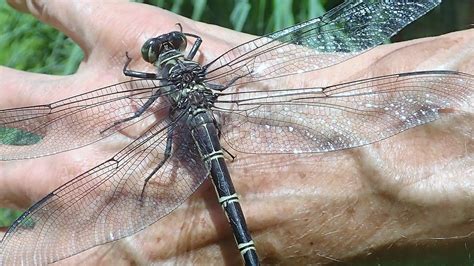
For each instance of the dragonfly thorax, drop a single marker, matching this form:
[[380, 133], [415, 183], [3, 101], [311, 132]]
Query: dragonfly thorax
[[193, 97], [184, 72], [185, 78], [201, 96]]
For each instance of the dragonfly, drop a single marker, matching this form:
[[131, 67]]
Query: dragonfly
[[199, 106]]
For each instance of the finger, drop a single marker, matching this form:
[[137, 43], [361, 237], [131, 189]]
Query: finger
[[20, 88], [105, 31], [20, 186], [94, 24], [83, 21], [23, 182]]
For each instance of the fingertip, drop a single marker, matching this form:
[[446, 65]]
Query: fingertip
[[21, 88], [19, 5], [88, 23]]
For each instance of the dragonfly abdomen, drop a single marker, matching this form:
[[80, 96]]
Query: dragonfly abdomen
[[205, 134]]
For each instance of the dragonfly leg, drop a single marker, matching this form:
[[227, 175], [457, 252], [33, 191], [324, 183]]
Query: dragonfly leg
[[138, 113], [195, 47], [218, 87], [166, 156], [229, 153], [136, 74]]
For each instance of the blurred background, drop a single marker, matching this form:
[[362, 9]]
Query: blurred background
[[23, 38]]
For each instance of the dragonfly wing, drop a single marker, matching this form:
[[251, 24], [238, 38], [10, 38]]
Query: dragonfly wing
[[74, 122], [105, 203], [312, 120], [342, 33]]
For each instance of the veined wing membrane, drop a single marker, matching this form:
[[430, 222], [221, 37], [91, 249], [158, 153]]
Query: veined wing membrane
[[348, 115], [106, 203], [74, 122], [342, 33]]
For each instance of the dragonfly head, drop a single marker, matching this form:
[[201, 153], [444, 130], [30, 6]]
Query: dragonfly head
[[154, 47]]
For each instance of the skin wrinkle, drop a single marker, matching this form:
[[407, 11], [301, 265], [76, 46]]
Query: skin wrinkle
[[450, 55], [317, 211]]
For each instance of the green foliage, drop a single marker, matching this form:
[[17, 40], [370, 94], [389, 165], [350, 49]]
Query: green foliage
[[28, 44], [239, 14], [256, 17], [7, 216]]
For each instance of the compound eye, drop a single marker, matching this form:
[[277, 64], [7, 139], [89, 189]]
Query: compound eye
[[178, 41], [151, 49]]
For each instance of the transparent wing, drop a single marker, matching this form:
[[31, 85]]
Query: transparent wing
[[338, 117], [74, 122], [342, 33], [105, 204]]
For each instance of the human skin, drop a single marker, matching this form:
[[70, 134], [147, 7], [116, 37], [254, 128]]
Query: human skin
[[414, 188]]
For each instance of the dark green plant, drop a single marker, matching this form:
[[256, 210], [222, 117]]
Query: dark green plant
[[27, 44]]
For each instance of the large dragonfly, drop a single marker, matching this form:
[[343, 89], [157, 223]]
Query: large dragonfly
[[231, 99]]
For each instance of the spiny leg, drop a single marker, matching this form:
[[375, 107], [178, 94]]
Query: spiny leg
[[166, 156], [218, 87], [137, 113], [229, 153], [195, 47], [136, 74]]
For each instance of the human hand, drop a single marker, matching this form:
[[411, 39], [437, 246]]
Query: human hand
[[325, 198]]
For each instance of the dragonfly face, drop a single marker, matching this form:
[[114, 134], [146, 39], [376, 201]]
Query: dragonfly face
[[155, 48]]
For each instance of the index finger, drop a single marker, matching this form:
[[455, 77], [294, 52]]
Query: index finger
[[94, 25]]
